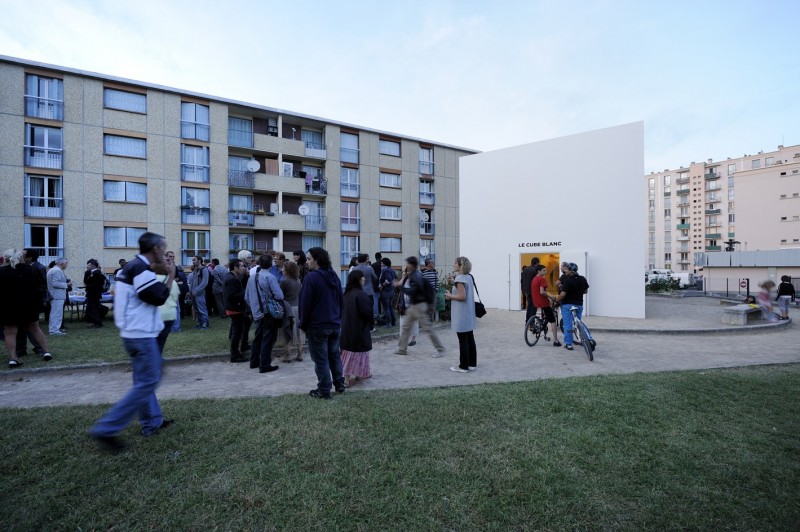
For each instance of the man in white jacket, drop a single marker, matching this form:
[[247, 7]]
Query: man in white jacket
[[57, 285]]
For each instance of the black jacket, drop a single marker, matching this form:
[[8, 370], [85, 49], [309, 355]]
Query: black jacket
[[93, 281], [233, 294], [356, 322], [416, 292]]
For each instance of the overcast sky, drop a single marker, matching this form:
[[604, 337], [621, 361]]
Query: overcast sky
[[708, 78]]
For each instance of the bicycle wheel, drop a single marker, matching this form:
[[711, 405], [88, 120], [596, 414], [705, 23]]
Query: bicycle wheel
[[583, 333], [532, 331]]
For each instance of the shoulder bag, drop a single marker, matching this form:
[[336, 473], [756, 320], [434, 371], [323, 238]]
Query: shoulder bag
[[275, 308], [480, 310]]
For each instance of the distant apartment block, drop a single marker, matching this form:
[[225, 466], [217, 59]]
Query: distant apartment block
[[747, 203], [89, 162]]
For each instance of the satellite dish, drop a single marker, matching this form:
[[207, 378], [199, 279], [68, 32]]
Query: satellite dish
[[424, 252], [253, 165], [303, 210], [423, 216]]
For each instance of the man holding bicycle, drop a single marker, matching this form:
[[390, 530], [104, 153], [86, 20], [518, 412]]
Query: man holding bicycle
[[570, 295], [542, 300]]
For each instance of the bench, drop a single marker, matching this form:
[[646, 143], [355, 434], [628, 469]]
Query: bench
[[740, 314]]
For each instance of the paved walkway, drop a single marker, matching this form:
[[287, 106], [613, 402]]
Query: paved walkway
[[503, 356]]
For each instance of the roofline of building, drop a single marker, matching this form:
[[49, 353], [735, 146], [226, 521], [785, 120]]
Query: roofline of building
[[725, 161], [164, 88]]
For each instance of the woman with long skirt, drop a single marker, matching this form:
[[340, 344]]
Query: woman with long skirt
[[357, 321]]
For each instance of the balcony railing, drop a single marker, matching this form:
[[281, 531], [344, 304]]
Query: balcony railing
[[316, 150], [426, 168], [41, 207], [683, 191], [427, 228], [316, 185], [348, 155], [194, 173], [350, 190], [710, 176], [713, 211], [682, 181], [683, 203], [43, 157], [241, 219], [427, 198], [683, 238], [195, 215], [713, 186], [315, 222], [44, 108], [713, 248], [243, 139], [682, 226], [714, 236], [48, 255], [350, 223], [241, 179]]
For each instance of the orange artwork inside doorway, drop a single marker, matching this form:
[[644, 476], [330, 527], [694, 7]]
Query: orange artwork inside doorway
[[551, 261]]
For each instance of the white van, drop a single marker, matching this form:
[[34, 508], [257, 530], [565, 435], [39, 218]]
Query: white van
[[660, 274], [686, 279]]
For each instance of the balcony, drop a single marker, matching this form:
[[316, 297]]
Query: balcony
[[713, 211], [319, 151], [713, 248], [349, 223], [711, 176], [241, 179], [194, 173], [350, 190], [683, 238], [317, 186], [41, 207], [713, 186], [682, 181], [427, 228], [683, 226], [315, 222], [713, 236], [683, 202], [44, 108], [683, 191], [667, 192], [427, 198], [43, 157], [195, 215], [348, 155], [241, 219], [426, 168]]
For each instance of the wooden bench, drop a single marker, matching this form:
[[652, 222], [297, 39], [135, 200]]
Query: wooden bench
[[740, 314]]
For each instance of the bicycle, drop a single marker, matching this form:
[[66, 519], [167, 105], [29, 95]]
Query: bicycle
[[536, 326], [581, 334]]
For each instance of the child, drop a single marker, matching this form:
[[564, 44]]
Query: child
[[765, 303]]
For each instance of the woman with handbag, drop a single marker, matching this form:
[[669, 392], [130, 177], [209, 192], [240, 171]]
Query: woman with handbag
[[357, 321], [462, 314]]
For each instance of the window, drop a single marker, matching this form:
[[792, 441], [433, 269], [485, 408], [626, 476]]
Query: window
[[391, 212], [389, 147], [667, 180], [390, 180], [124, 191], [731, 218], [312, 139], [426, 160], [194, 163], [426, 225], [769, 161], [755, 163], [651, 236], [684, 211], [43, 146], [350, 216], [350, 248], [731, 194], [426, 194], [350, 183], [731, 169], [240, 132], [195, 243], [667, 236], [194, 121], [667, 214], [43, 196], [431, 245], [237, 202], [391, 245], [348, 152], [312, 241], [730, 182], [651, 193], [44, 97], [651, 183], [122, 237], [667, 257], [651, 204], [124, 146], [195, 206], [47, 239], [125, 101], [240, 241]]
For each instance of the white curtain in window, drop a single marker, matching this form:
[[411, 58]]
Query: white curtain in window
[[132, 235], [127, 146], [312, 138], [126, 101], [194, 155], [34, 187], [114, 237], [114, 190], [309, 242], [240, 203], [238, 164], [136, 192], [349, 141]]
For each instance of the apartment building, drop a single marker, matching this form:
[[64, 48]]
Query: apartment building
[[89, 162], [748, 203]]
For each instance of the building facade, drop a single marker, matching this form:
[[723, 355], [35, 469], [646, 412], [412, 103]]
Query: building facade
[[89, 162], [748, 203]]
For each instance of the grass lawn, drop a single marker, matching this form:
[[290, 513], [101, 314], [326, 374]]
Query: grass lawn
[[716, 449]]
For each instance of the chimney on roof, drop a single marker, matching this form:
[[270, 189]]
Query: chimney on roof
[[710, 160]]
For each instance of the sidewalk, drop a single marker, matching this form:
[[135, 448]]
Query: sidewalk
[[503, 356]]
